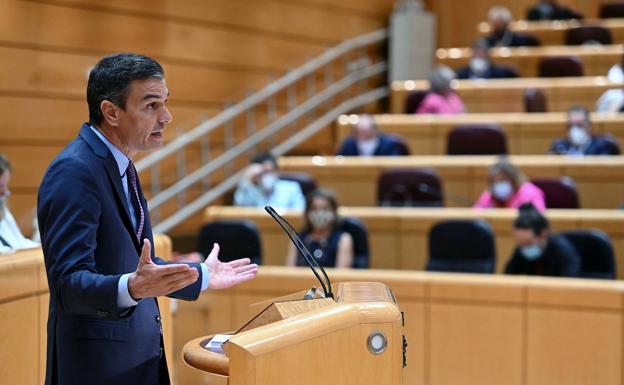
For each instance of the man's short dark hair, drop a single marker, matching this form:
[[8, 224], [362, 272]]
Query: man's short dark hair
[[581, 109], [264, 157], [111, 77], [5, 165], [529, 218]]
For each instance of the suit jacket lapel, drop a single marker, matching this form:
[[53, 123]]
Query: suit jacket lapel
[[100, 149]]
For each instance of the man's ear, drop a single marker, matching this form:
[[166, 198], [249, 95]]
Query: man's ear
[[110, 111]]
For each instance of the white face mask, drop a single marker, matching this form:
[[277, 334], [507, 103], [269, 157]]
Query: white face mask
[[320, 219], [578, 136], [267, 181], [367, 147], [479, 65], [531, 252], [502, 190]]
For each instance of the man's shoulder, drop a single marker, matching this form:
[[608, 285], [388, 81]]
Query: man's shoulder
[[287, 185]]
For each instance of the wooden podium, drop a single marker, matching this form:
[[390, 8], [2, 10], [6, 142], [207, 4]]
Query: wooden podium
[[356, 339]]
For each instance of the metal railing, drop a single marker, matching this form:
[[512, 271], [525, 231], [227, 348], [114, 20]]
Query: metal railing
[[351, 75]]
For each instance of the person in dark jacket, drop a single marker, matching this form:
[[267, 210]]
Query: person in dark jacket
[[481, 67], [368, 141], [580, 140], [539, 252], [551, 10], [501, 34]]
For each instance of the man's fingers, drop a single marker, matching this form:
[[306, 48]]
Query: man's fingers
[[246, 268], [244, 277], [239, 262], [182, 282], [166, 271], [214, 252]]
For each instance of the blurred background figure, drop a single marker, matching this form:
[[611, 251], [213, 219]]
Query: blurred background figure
[[509, 188], [11, 238], [261, 186], [441, 99], [481, 66], [538, 252], [322, 234], [501, 35], [551, 10], [580, 140], [367, 140]]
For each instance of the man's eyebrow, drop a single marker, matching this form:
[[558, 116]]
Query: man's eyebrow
[[152, 96]]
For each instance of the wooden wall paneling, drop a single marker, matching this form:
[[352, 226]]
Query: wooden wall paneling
[[19, 336]]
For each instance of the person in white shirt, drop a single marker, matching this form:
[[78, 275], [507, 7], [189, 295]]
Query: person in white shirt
[[11, 238], [261, 186]]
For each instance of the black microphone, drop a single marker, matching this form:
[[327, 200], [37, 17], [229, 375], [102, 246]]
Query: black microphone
[[427, 189], [310, 260]]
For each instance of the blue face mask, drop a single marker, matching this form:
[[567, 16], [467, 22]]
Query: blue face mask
[[531, 252]]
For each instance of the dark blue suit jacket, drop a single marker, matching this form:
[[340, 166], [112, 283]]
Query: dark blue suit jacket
[[388, 146], [88, 243], [599, 145], [493, 72]]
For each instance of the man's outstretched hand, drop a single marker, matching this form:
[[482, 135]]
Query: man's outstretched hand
[[152, 280], [228, 274]]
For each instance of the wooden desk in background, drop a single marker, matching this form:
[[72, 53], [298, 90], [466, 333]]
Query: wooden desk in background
[[599, 179], [506, 95], [554, 32], [596, 59], [399, 236], [487, 329], [24, 299], [527, 134]]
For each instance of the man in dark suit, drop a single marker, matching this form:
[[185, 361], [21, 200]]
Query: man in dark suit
[[368, 141], [501, 34], [481, 67], [580, 140], [104, 323], [551, 10]]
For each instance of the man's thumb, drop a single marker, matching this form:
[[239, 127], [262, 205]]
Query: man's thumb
[[146, 253]]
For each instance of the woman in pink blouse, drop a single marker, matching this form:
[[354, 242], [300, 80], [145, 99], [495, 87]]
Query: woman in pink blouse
[[441, 99], [509, 188]]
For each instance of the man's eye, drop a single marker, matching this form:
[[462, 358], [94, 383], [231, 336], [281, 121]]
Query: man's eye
[[152, 105]]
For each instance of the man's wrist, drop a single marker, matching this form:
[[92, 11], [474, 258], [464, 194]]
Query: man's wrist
[[131, 279]]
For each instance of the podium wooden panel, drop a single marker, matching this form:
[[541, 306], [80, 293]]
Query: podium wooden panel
[[596, 59], [320, 341], [527, 134], [461, 329], [599, 179], [506, 95]]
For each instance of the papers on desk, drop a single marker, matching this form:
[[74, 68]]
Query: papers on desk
[[216, 343]]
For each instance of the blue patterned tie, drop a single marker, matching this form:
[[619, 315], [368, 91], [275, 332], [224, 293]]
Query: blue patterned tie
[[132, 179]]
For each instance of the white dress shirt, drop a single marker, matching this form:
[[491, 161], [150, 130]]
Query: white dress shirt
[[10, 234]]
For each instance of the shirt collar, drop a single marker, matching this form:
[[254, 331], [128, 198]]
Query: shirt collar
[[121, 158]]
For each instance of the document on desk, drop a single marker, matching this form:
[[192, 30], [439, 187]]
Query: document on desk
[[217, 341]]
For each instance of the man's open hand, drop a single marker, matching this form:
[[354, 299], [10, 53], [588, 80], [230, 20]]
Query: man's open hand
[[224, 275]]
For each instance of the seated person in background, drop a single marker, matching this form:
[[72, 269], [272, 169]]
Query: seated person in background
[[501, 35], [509, 188], [322, 234], [551, 10], [612, 100], [616, 74], [481, 67], [11, 238], [441, 99], [539, 252], [368, 141], [580, 140], [260, 186]]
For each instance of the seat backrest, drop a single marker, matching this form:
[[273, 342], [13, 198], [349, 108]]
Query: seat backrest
[[531, 41], [559, 193], [560, 66], [477, 139], [588, 34], [614, 146], [238, 239], [305, 180], [415, 187], [611, 10], [596, 252], [535, 100], [462, 246], [359, 233], [413, 100], [401, 144]]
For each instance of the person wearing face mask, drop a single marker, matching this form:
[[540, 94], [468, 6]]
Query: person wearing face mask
[[481, 67], [261, 186], [11, 238], [328, 243], [368, 141], [539, 252], [551, 10], [579, 140], [499, 18], [509, 188], [441, 98]]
